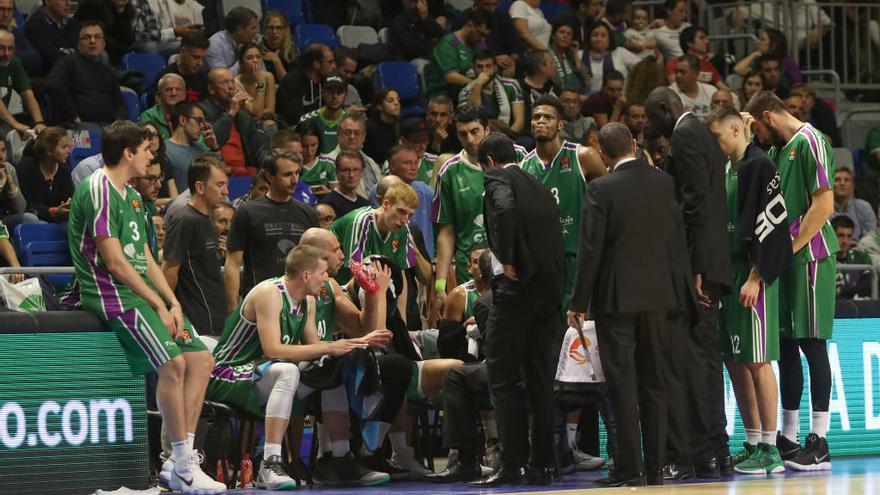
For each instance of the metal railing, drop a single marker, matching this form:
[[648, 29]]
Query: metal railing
[[863, 268], [38, 270]]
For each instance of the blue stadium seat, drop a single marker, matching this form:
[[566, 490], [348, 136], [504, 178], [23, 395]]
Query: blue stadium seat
[[77, 153], [402, 76], [19, 18], [552, 9], [131, 101], [150, 64], [306, 34], [239, 186], [292, 8], [145, 101], [27, 233]]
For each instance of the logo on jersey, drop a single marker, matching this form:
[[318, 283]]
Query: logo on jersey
[[566, 163], [395, 244], [324, 294], [791, 154], [577, 353], [136, 205], [129, 250]]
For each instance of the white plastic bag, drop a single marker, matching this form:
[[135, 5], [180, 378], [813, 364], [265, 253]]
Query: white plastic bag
[[576, 365], [23, 296]]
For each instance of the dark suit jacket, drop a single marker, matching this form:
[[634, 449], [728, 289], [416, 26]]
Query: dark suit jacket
[[522, 225], [627, 229], [696, 162]]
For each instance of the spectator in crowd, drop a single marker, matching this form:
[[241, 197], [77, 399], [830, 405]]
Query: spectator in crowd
[[871, 155], [279, 50], [252, 244], [696, 96], [259, 188], [191, 249], [414, 134], [439, 119], [258, 83], [578, 127], [12, 202], [674, 23], [383, 124], [167, 187], [24, 50], [771, 75], [85, 167], [453, 55], [643, 78], [569, 70], [500, 97], [504, 42], [639, 38], [52, 32], [818, 112], [845, 203], [634, 118], [160, 23], [329, 116], [186, 143], [241, 27], [752, 84], [616, 14], [84, 89], [530, 24], [172, 90], [347, 65], [8, 256], [14, 78], [221, 218], [538, 78], [602, 53], [239, 140], [585, 13], [694, 41], [795, 106], [606, 105], [148, 187], [44, 177], [403, 162], [289, 140], [724, 98], [326, 215], [770, 41], [850, 284], [414, 32], [310, 136], [300, 91], [349, 171], [352, 133], [191, 66], [117, 17]]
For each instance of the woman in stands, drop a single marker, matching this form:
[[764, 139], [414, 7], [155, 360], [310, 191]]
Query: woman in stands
[[279, 51], [752, 84], [320, 179], [530, 24], [771, 41], [44, 176], [259, 84], [12, 202], [564, 50], [169, 189], [602, 54], [382, 124]]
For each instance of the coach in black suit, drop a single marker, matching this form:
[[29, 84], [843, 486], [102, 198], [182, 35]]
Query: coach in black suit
[[696, 162], [525, 236], [624, 280]]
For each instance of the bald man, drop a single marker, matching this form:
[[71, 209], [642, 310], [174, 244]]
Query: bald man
[[16, 79]]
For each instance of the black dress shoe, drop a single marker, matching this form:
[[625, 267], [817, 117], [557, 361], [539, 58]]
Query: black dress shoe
[[675, 472], [707, 468], [638, 480], [654, 478], [457, 473], [503, 476], [539, 475], [725, 464]]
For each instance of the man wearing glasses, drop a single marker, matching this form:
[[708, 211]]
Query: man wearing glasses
[[351, 135], [188, 127]]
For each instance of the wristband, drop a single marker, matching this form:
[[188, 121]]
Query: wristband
[[38, 123], [440, 285], [52, 212]]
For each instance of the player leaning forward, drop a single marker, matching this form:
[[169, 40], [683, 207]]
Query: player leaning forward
[[760, 249], [121, 283]]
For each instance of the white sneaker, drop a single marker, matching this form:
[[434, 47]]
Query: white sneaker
[[409, 463], [273, 475], [586, 462], [165, 474], [189, 478]]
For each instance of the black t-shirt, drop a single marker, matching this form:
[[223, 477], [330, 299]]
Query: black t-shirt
[[191, 240], [342, 205], [266, 230], [381, 137]]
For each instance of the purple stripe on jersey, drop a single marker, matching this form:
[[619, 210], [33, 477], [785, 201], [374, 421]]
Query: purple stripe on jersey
[[106, 290], [410, 253], [358, 253], [129, 319], [812, 273], [228, 373], [245, 338], [102, 221], [821, 172], [761, 313], [794, 228], [818, 246]]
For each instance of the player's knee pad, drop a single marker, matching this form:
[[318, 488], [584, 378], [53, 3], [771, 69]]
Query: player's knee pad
[[286, 375]]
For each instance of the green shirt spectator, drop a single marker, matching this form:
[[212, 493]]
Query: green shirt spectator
[[453, 55]]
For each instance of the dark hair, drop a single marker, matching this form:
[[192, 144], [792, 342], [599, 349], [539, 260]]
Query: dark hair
[[615, 140], [181, 109], [340, 53], [440, 99], [120, 136], [692, 61], [670, 4], [483, 54], [722, 113], [380, 96], [90, 23], [309, 128], [612, 75], [200, 169], [313, 53], [244, 48], [651, 131], [842, 221], [485, 264], [600, 25], [629, 107], [561, 21], [550, 101], [471, 113], [238, 17], [765, 101], [687, 36], [478, 18], [195, 39], [497, 146], [47, 141], [269, 163], [284, 136], [533, 60], [778, 43], [352, 154], [768, 57], [614, 7]]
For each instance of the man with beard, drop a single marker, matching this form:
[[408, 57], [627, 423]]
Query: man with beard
[[453, 55]]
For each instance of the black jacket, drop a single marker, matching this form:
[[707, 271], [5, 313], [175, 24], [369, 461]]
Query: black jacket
[[522, 225], [297, 95], [87, 89], [413, 36], [48, 38], [627, 230]]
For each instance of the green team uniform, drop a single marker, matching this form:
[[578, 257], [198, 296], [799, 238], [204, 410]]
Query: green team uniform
[[450, 54], [4, 231], [359, 238], [98, 209], [426, 168], [498, 103], [748, 335], [329, 128], [565, 179], [471, 294], [458, 201], [322, 173], [807, 289], [239, 351]]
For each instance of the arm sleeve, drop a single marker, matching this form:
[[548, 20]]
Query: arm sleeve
[[692, 179], [593, 225], [815, 159], [178, 238], [443, 211], [20, 82], [501, 205], [446, 57]]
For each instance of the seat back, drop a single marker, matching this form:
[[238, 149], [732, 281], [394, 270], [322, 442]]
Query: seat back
[[150, 64], [131, 101], [353, 36], [239, 186], [254, 5], [27, 233], [403, 77], [292, 8], [306, 34]]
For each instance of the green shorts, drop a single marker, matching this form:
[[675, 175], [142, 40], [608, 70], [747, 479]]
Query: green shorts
[[146, 342], [750, 335], [807, 297], [235, 385]]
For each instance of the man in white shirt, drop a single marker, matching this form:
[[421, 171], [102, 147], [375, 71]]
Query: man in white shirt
[[696, 96]]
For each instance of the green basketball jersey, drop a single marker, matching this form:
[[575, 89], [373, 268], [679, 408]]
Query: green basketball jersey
[[471, 293], [805, 165], [565, 179], [359, 237], [99, 209], [329, 128], [325, 312], [240, 342], [322, 173]]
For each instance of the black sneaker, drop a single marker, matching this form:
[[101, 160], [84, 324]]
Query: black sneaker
[[787, 449], [379, 463], [324, 474], [346, 471], [813, 457]]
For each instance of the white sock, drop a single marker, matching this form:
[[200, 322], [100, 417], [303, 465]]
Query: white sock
[[180, 452], [790, 421], [270, 449], [571, 430], [819, 424], [753, 436], [339, 447], [191, 441], [768, 437], [491, 429], [398, 443]]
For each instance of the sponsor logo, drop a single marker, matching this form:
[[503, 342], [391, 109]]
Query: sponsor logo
[[791, 154], [136, 205], [395, 244], [577, 353], [129, 250], [566, 163]]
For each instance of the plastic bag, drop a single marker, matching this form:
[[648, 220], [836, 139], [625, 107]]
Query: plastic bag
[[23, 296]]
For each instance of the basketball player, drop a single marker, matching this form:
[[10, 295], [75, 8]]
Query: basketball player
[[805, 162], [121, 283], [760, 248]]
